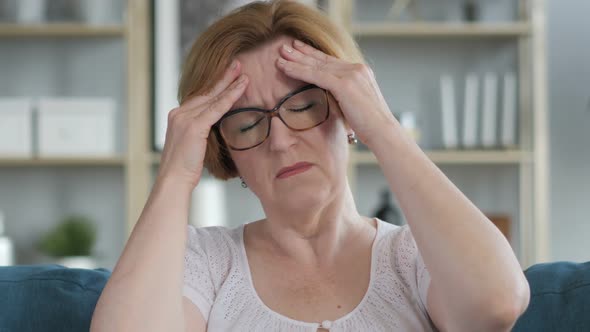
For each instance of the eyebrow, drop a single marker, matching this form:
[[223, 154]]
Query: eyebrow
[[275, 104]]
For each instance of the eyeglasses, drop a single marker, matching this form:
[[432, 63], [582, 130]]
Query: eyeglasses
[[302, 109]]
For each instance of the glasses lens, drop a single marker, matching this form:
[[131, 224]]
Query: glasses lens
[[301, 111], [305, 109], [245, 129]]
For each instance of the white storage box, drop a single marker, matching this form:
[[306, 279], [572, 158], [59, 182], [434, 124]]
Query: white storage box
[[76, 127], [16, 127]]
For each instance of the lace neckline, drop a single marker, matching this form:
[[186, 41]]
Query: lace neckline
[[246, 267]]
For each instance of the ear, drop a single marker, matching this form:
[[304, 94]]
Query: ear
[[347, 127], [335, 106]]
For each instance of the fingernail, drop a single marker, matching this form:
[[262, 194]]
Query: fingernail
[[287, 48], [234, 64], [282, 61], [242, 79], [298, 43]]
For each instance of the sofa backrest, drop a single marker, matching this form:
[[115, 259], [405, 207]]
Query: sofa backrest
[[560, 298], [53, 298], [48, 297]]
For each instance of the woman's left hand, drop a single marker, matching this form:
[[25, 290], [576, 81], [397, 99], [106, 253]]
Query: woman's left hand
[[352, 84]]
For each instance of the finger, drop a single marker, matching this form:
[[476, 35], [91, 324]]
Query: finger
[[306, 73], [292, 54], [195, 111], [224, 101], [229, 76], [314, 52]]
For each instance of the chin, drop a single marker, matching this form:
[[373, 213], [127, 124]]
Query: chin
[[305, 194], [307, 203]]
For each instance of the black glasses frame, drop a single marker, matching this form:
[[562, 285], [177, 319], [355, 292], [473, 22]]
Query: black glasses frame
[[272, 113]]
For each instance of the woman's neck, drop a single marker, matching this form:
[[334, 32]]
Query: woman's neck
[[314, 236]]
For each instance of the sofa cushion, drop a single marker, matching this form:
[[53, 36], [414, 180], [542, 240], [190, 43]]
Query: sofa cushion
[[48, 297], [560, 298]]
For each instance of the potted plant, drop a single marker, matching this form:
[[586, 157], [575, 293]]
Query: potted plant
[[71, 242]]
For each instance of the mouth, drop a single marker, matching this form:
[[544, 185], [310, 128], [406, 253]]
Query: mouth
[[294, 169]]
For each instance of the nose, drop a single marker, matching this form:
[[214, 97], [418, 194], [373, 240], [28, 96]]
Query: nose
[[281, 138]]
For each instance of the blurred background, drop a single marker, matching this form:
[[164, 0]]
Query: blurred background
[[497, 92]]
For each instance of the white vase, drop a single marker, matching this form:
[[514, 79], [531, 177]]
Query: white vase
[[31, 11], [78, 262], [208, 203]]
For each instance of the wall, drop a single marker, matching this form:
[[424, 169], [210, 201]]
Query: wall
[[569, 123]]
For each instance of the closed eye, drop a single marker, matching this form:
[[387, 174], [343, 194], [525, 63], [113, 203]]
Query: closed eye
[[303, 109], [242, 130]]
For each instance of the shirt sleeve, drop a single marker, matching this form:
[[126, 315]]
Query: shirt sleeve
[[410, 266], [198, 279]]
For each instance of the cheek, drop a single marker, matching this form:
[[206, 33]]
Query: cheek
[[240, 160], [334, 135], [245, 162], [335, 128]]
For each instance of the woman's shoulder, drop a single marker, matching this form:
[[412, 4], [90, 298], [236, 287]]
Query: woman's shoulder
[[396, 241], [217, 243], [210, 257], [214, 239], [213, 249], [392, 233]]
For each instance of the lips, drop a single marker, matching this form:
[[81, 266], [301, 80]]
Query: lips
[[295, 168]]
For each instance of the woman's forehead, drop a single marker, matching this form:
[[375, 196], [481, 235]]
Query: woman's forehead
[[267, 83]]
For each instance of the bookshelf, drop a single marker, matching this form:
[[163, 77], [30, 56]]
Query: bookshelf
[[527, 163], [75, 59], [133, 168]]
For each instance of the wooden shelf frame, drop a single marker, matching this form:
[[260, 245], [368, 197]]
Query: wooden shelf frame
[[442, 157], [444, 30], [458, 157], [63, 161], [13, 30], [138, 175]]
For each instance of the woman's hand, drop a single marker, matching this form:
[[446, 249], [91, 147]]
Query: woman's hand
[[189, 126], [352, 84]]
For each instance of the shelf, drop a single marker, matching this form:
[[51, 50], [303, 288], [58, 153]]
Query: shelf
[[11, 30], [441, 157], [387, 29], [62, 162], [459, 157]]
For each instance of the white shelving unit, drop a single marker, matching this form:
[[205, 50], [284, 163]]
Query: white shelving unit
[[133, 168], [103, 60], [530, 158]]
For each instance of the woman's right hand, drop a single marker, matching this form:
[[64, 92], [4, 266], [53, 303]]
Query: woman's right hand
[[189, 126]]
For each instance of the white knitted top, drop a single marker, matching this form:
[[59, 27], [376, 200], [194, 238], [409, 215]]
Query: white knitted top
[[217, 280]]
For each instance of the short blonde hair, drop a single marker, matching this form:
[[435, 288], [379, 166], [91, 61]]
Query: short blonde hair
[[244, 29]]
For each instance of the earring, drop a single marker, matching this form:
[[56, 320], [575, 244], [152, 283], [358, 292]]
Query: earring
[[244, 185], [352, 139]]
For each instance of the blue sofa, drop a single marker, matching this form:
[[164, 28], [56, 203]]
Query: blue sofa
[[48, 298], [560, 298], [53, 298]]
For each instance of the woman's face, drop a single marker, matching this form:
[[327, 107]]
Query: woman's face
[[324, 146]]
